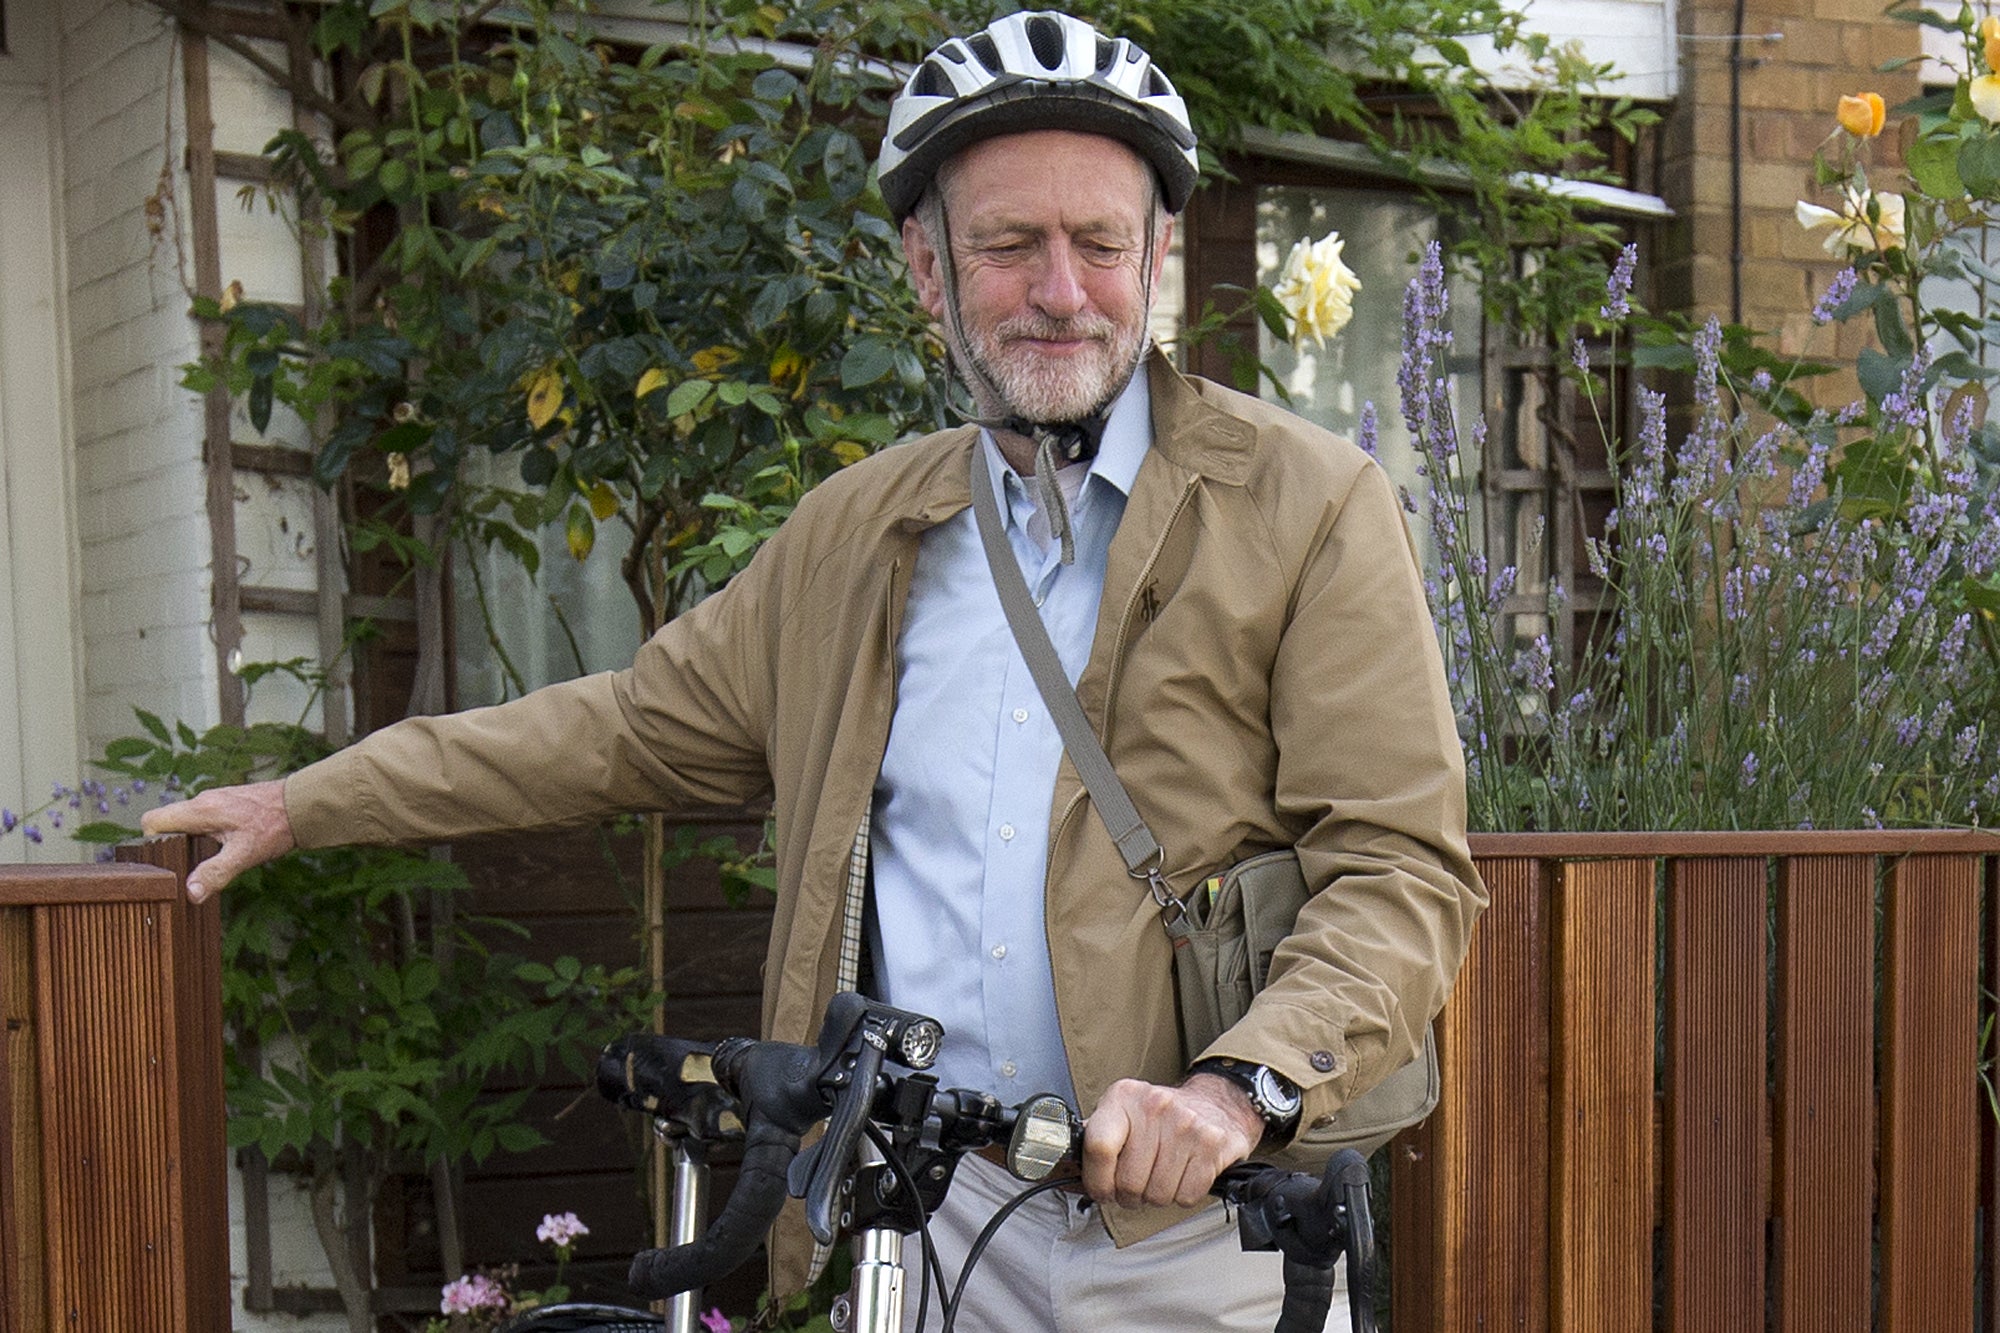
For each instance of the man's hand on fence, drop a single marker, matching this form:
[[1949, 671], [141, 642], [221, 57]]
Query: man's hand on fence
[[249, 821], [1146, 1143]]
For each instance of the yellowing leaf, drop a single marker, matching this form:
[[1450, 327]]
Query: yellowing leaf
[[785, 365], [582, 533], [603, 501], [545, 395], [709, 360], [848, 452], [684, 536], [656, 378]]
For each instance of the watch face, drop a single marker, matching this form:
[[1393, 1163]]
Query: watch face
[[1276, 1093]]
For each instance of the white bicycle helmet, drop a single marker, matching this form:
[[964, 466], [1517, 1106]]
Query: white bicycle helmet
[[1034, 71]]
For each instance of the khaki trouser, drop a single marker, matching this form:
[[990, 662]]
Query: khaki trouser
[[1052, 1266]]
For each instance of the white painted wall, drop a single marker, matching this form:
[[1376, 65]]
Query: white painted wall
[[41, 671], [142, 518], [1635, 36]]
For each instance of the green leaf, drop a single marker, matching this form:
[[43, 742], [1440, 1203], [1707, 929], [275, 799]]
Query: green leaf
[[1880, 375], [1933, 165], [1890, 329], [687, 396], [869, 360], [1273, 313]]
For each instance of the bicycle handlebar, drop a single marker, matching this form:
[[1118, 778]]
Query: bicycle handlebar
[[772, 1093]]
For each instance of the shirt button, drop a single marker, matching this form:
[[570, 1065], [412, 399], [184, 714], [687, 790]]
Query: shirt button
[[1007, 1069], [999, 951], [1006, 833], [1322, 1061], [1020, 715]]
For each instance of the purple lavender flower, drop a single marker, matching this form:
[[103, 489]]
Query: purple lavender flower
[[139, 785], [103, 855], [1964, 747], [1750, 769], [1579, 356], [1835, 295], [1365, 430], [1619, 288], [1908, 729], [31, 833], [9, 821], [1761, 382], [55, 819], [1908, 406]]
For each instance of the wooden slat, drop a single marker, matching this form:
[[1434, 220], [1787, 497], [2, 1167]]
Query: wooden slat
[[21, 1284], [1930, 1127], [1825, 1092], [105, 1013], [201, 1179], [1489, 1181], [1800, 842], [1990, 1122], [1601, 1179], [1717, 1179], [27, 886]]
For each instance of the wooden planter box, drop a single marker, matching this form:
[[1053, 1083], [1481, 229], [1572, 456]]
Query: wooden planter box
[[1712, 1081], [114, 1209]]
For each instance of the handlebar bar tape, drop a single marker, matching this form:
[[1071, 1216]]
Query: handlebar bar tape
[[736, 1232]]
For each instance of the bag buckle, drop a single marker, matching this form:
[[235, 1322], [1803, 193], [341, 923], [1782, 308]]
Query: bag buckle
[[1173, 912]]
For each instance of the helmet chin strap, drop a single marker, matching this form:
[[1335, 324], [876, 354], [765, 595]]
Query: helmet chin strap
[[1057, 443]]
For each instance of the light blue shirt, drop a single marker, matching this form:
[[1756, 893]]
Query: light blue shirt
[[961, 817]]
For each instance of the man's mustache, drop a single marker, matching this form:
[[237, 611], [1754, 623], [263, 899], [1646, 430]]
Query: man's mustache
[[1091, 328]]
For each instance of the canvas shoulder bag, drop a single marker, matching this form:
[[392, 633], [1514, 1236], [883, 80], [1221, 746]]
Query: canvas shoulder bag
[[1225, 932]]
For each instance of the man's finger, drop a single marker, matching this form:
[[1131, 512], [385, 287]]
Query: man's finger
[[1103, 1140]]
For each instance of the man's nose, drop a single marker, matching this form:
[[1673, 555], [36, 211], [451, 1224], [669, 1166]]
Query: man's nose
[[1058, 290]]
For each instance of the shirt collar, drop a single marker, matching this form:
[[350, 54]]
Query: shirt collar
[[1128, 434]]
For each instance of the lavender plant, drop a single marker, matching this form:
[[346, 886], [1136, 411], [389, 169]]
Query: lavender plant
[[1764, 655]]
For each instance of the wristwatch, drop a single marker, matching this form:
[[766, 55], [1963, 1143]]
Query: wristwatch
[[1272, 1095]]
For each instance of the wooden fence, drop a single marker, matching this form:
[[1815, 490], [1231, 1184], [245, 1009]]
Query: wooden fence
[[113, 1199], [1713, 1082]]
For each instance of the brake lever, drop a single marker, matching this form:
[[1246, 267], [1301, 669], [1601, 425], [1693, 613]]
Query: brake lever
[[818, 1173]]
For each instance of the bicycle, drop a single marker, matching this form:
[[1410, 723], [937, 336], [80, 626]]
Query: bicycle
[[885, 1162]]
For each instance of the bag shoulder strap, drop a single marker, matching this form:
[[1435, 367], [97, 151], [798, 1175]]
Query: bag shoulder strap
[[1136, 844]]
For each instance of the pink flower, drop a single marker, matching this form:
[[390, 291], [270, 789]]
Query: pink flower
[[473, 1293], [560, 1228], [717, 1322]]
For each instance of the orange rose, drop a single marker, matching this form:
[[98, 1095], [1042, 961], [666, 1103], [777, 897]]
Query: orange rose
[[1860, 114], [1989, 38]]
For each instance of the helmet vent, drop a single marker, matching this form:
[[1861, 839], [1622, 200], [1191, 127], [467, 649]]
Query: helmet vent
[[931, 81], [1045, 38], [989, 55], [1107, 51], [1157, 85]]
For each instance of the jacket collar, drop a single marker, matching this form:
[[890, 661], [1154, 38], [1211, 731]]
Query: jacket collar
[[1188, 431]]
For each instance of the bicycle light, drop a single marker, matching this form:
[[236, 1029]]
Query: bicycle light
[[919, 1043], [1043, 1132]]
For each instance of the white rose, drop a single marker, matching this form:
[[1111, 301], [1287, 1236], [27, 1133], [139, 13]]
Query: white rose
[[1853, 228], [1317, 289]]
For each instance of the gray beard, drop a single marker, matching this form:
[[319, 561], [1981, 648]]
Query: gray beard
[[1004, 385]]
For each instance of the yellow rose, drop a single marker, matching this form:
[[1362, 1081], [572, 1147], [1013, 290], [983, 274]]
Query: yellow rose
[[1317, 289], [1989, 40], [1984, 93], [1861, 114], [1867, 220]]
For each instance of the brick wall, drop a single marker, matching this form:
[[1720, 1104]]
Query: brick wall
[[1790, 85], [142, 521]]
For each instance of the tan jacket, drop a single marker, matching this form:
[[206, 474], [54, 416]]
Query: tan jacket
[[1264, 674]]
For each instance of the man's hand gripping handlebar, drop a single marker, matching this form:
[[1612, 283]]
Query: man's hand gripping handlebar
[[772, 1093]]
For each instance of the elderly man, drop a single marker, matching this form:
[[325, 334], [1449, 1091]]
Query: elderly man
[[1235, 599]]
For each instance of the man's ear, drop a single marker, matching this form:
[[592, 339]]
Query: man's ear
[[926, 274], [1160, 252]]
